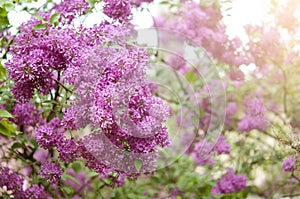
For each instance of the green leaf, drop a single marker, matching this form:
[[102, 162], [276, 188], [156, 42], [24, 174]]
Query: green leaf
[[191, 76], [3, 72], [3, 12], [34, 143], [3, 19], [76, 166], [9, 6], [40, 26], [67, 176], [68, 190], [38, 16], [16, 146], [92, 174], [54, 18], [7, 128], [164, 2], [5, 114], [138, 165], [93, 2]]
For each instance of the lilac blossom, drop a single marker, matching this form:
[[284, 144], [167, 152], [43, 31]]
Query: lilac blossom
[[26, 114], [34, 192], [289, 164], [49, 135], [11, 180], [203, 153], [255, 117], [222, 147], [230, 183], [51, 172]]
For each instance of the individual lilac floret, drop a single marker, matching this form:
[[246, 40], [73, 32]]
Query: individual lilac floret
[[34, 192], [255, 117], [222, 146], [51, 172], [289, 164], [230, 183]]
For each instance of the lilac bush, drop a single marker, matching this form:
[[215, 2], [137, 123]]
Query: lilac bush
[[107, 110]]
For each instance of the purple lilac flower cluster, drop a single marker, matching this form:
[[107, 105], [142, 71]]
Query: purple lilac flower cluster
[[255, 117], [14, 183], [38, 57], [230, 183], [113, 97], [112, 93], [203, 150], [69, 9], [289, 164], [203, 25], [26, 114], [51, 172], [230, 111], [117, 101], [120, 10]]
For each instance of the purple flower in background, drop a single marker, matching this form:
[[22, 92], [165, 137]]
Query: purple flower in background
[[222, 146], [202, 153], [80, 177], [26, 114], [230, 183], [179, 64], [138, 3], [41, 155], [289, 164], [255, 117], [230, 111], [51, 172]]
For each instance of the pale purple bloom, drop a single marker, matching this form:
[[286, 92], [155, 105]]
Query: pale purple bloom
[[203, 153], [81, 178], [255, 117], [41, 155], [230, 111], [289, 164], [26, 114], [230, 183], [222, 146]]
